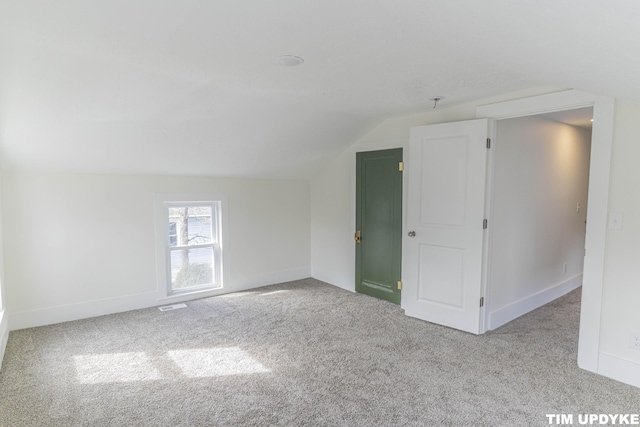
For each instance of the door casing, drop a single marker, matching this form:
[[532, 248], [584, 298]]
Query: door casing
[[597, 210], [589, 339]]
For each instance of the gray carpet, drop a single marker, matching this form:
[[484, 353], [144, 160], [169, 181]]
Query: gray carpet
[[300, 354]]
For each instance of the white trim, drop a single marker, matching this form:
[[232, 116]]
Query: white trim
[[191, 295], [523, 306], [321, 277], [595, 241], [4, 334], [601, 142], [379, 145], [215, 244], [242, 285], [161, 201], [84, 310], [483, 325], [558, 101], [272, 278], [619, 369]]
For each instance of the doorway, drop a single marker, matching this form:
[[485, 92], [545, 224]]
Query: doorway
[[601, 144], [539, 194], [379, 224], [446, 265]]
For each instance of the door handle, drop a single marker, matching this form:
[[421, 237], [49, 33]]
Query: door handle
[[411, 233], [358, 236]]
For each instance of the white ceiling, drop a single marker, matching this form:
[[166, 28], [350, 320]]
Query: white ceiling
[[192, 86]]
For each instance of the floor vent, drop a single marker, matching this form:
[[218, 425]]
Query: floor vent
[[172, 307]]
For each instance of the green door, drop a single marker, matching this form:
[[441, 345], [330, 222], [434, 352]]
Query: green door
[[379, 223]]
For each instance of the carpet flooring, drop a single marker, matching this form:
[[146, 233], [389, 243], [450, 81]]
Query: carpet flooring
[[302, 353]]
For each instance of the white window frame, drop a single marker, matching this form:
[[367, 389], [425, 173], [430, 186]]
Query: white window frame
[[215, 245], [218, 204]]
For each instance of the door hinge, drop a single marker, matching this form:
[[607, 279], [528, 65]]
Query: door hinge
[[481, 301], [485, 224], [488, 142], [400, 166], [399, 285]]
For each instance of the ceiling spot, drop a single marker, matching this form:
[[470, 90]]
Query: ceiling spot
[[289, 60]]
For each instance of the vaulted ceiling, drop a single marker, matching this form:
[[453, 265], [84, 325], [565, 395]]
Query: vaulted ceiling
[[193, 87]]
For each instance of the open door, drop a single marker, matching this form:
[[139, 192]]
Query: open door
[[443, 267]]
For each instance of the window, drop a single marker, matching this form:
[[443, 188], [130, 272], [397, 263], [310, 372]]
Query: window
[[190, 238], [190, 245], [194, 255]]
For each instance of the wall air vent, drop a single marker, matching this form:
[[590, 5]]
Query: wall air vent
[[172, 307]]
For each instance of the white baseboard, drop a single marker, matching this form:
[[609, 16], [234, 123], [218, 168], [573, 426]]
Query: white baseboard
[[619, 369], [242, 285], [271, 278], [516, 309], [337, 282], [4, 334], [82, 310], [86, 309]]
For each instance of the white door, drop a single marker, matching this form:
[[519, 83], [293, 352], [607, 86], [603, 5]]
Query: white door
[[443, 247]]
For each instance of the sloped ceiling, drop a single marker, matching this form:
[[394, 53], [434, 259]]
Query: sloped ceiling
[[192, 86]]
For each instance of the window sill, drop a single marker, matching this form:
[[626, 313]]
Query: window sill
[[189, 295]]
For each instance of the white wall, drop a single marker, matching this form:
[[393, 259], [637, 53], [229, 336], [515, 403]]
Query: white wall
[[541, 173], [332, 249], [621, 287], [4, 318], [84, 245], [332, 189], [620, 315]]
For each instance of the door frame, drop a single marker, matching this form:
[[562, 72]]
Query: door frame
[[597, 209]]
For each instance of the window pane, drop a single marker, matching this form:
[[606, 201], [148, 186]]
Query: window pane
[[191, 267], [192, 225], [173, 234]]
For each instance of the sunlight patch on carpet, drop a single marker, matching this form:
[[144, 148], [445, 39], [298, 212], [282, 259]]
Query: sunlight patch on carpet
[[114, 368], [235, 295], [282, 291], [216, 362]]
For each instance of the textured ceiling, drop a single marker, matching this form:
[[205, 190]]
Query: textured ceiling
[[192, 87]]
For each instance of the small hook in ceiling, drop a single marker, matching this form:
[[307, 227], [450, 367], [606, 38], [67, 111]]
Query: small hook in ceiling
[[436, 100]]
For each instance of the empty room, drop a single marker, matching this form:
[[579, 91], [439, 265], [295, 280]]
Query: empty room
[[319, 213]]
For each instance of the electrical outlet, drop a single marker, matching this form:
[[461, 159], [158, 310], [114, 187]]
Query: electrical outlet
[[634, 341], [564, 268]]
